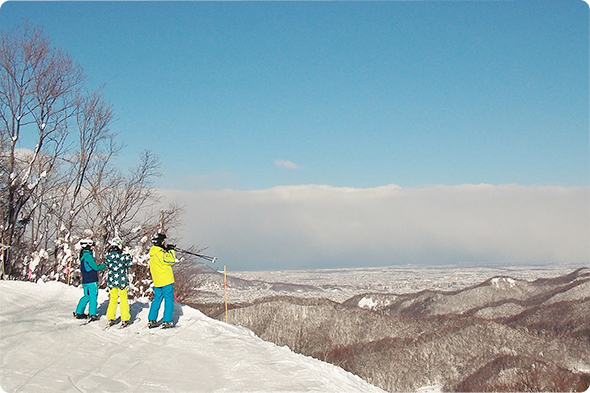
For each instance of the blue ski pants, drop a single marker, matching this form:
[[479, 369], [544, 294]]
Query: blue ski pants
[[165, 293], [90, 297]]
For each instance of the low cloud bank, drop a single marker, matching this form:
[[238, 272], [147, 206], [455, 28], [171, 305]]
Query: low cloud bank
[[314, 226]]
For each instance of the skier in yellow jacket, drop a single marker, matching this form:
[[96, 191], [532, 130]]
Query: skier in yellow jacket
[[162, 257]]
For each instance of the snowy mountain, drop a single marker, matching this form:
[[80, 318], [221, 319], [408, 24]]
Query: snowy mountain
[[43, 348], [494, 298]]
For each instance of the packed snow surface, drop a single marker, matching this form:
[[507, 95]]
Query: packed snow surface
[[44, 349]]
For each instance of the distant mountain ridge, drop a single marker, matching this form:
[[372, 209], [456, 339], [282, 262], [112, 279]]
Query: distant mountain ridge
[[490, 294]]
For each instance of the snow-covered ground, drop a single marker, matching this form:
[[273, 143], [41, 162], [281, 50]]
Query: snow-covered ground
[[44, 349]]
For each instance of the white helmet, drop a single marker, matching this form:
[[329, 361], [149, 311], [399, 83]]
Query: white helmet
[[86, 243], [116, 242]]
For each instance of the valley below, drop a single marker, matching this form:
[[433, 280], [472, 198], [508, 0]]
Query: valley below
[[418, 328]]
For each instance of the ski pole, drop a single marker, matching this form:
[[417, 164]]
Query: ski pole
[[205, 257]]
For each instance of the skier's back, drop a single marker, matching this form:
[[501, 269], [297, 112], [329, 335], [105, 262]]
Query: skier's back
[[89, 270], [117, 281], [161, 260]]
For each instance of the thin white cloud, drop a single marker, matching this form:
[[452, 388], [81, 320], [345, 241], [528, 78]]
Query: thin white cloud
[[287, 164], [323, 226]]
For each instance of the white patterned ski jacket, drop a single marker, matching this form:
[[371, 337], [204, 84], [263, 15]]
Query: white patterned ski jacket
[[118, 263]]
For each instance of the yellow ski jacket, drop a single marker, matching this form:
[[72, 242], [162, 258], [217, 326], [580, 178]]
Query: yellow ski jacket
[[161, 262]]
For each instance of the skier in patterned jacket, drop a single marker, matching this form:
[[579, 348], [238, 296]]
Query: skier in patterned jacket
[[89, 270], [117, 281]]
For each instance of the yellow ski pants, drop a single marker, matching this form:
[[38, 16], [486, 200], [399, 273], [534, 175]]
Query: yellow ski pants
[[115, 294]]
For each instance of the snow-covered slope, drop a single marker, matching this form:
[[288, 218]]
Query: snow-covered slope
[[44, 349]]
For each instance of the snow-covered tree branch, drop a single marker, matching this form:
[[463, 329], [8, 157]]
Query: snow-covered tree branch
[[58, 179]]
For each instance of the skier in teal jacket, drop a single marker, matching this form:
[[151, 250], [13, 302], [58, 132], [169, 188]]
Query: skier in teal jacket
[[89, 270]]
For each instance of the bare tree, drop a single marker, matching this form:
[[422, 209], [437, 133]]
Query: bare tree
[[187, 278], [97, 199], [38, 85], [67, 186]]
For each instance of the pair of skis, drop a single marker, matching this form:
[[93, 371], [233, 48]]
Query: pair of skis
[[205, 257], [109, 325], [163, 325], [123, 325]]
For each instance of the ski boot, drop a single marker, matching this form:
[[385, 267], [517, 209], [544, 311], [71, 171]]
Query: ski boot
[[80, 316], [111, 322], [93, 318], [152, 324], [124, 324], [167, 325]]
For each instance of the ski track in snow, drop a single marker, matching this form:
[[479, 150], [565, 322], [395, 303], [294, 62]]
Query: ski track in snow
[[44, 349]]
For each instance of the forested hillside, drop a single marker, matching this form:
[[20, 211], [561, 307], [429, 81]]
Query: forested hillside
[[500, 335]]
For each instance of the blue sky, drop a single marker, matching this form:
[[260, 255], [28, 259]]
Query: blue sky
[[254, 105], [358, 94]]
